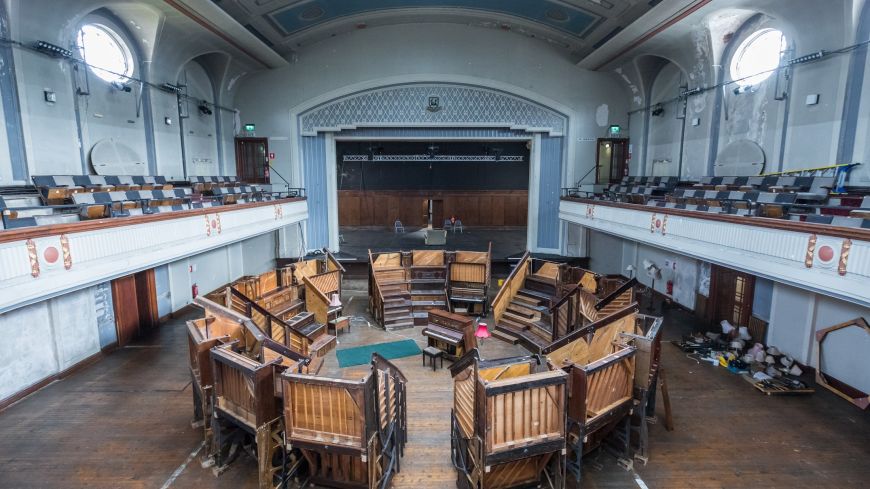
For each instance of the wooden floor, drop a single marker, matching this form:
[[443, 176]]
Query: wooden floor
[[125, 422]]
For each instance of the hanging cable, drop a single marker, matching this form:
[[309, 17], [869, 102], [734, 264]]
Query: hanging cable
[[81, 62], [809, 58]]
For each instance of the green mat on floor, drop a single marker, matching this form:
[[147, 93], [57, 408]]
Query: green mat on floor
[[362, 355]]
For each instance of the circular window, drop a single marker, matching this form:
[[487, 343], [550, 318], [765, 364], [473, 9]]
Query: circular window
[[106, 53], [757, 57]]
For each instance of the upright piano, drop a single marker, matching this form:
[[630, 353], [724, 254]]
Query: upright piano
[[451, 333]]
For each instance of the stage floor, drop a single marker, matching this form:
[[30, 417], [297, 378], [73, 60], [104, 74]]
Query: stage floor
[[356, 241]]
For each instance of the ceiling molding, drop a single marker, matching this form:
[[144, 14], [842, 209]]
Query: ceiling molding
[[215, 20], [654, 22]]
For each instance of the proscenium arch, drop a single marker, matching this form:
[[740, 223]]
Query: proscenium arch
[[478, 111]]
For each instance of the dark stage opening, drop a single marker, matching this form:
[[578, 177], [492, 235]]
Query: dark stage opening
[[475, 190]]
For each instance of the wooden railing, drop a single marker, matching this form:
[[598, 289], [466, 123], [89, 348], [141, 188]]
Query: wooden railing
[[511, 285], [316, 301], [272, 325]]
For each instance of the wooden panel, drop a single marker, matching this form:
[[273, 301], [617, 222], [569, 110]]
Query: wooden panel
[[146, 299], [428, 257], [126, 308], [323, 410], [468, 272], [480, 208], [582, 352], [526, 416]]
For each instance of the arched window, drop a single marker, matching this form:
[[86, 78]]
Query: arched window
[[106, 53], [757, 57]]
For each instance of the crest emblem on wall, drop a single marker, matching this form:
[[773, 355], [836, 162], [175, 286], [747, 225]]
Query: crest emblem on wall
[[434, 104]]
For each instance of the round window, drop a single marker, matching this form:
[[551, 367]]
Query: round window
[[106, 53], [757, 57]]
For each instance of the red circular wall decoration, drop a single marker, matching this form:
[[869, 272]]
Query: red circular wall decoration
[[826, 253], [51, 254]]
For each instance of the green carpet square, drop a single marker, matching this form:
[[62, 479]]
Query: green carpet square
[[362, 355]]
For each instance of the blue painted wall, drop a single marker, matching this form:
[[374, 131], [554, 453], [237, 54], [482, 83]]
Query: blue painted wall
[[314, 167], [548, 192]]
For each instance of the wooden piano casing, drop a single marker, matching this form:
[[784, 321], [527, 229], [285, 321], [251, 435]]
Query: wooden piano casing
[[508, 422], [451, 333]]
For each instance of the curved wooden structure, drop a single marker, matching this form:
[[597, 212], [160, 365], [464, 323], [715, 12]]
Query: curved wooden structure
[[538, 302], [509, 424], [350, 433], [405, 285]]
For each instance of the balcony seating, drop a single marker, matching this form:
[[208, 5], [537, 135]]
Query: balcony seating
[[57, 189], [863, 211], [201, 184]]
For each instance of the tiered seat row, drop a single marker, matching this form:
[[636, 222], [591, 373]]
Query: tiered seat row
[[774, 196], [70, 198]]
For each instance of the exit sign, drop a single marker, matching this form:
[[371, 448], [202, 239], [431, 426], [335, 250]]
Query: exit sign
[[615, 130], [250, 127]]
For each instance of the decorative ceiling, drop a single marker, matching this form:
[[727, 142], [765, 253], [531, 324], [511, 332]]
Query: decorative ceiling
[[574, 26]]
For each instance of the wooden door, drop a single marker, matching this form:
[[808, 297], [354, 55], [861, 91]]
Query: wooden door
[[437, 214], [611, 160], [424, 215], [252, 160], [126, 308], [134, 299], [146, 299], [731, 293]]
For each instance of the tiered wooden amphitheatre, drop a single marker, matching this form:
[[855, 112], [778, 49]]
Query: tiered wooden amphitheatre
[[290, 304], [509, 422], [608, 350], [250, 391], [405, 285], [235, 367], [539, 302]]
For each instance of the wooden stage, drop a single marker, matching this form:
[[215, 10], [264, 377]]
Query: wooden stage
[[125, 422]]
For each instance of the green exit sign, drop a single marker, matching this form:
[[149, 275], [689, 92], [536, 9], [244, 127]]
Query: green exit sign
[[250, 127], [614, 130]]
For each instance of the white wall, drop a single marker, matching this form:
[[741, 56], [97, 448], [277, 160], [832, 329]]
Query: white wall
[[810, 135], [162, 41], [434, 52], [46, 338]]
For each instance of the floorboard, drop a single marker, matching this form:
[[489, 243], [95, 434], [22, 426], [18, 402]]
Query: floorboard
[[124, 422]]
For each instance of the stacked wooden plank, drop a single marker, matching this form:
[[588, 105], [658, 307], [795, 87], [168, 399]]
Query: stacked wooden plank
[[509, 423], [612, 364], [538, 302], [405, 285], [251, 390], [234, 366]]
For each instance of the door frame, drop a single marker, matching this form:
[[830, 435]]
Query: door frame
[[613, 142], [265, 141]]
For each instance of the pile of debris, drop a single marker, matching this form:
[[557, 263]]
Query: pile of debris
[[766, 367]]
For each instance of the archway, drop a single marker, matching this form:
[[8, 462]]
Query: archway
[[432, 111]]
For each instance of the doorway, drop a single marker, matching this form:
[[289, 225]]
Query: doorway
[[252, 160], [134, 299], [611, 160], [433, 213], [732, 293]]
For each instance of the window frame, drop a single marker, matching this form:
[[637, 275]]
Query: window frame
[[123, 45], [744, 48]]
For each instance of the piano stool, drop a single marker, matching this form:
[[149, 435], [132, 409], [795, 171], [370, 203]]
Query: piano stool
[[433, 353]]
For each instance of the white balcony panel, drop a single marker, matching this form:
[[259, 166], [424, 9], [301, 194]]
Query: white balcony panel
[[103, 254], [772, 253]]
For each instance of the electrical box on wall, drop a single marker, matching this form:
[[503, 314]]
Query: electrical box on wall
[[813, 99], [50, 96]]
